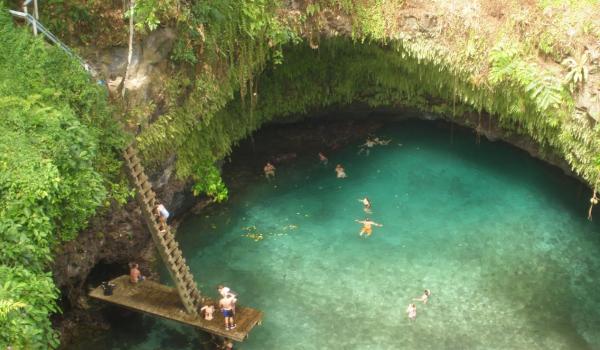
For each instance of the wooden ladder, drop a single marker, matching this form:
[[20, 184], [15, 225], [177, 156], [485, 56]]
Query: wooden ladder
[[163, 238]]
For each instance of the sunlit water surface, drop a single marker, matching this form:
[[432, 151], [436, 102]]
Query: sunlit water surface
[[501, 240]]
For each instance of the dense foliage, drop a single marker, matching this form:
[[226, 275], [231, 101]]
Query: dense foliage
[[58, 165], [240, 64], [225, 43], [498, 77]]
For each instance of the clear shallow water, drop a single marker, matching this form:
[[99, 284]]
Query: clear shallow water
[[500, 239]]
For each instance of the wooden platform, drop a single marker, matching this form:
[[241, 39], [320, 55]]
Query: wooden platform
[[159, 300]]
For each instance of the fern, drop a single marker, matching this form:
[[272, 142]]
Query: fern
[[9, 305]]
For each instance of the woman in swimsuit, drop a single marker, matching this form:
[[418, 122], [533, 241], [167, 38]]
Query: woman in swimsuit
[[366, 205], [412, 312]]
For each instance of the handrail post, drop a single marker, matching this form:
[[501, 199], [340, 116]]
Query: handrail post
[[36, 15], [34, 22]]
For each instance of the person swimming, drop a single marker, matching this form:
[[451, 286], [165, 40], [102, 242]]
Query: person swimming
[[367, 229], [323, 159], [382, 142], [424, 297], [366, 205], [341, 173], [411, 310], [593, 201], [366, 147], [269, 170]]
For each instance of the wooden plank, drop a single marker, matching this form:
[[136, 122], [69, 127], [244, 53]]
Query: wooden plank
[[163, 301]]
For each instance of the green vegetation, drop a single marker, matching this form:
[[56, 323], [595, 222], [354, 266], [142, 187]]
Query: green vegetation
[[58, 165], [240, 64], [464, 71]]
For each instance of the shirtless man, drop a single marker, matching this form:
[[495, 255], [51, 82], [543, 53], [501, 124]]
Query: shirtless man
[[323, 159], [269, 170], [227, 305], [341, 173], [367, 229], [135, 275], [424, 297]]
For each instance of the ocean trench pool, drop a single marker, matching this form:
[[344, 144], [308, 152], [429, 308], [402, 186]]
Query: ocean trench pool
[[501, 240]]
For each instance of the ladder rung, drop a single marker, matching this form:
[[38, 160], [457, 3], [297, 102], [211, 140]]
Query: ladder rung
[[170, 246], [165, 236], [190, 284], [145, 186], [150, 199], [131, 150]]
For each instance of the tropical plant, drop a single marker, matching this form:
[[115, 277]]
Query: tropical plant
[[578, 71]]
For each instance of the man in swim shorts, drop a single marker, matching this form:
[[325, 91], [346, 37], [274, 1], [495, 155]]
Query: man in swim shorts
[[367, 229], [227, 305]]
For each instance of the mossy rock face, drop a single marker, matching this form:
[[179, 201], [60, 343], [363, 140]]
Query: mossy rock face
[[448, 58]]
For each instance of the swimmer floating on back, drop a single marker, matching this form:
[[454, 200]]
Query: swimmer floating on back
[[367, 229]]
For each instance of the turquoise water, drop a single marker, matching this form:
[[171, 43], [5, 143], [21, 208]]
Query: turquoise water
[[500, 239]]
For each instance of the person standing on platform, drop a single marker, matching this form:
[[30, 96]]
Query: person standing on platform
[[135, 275], [227, 305]]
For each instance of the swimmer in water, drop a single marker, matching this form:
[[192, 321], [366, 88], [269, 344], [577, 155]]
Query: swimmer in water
[[269, 170], [323, 159], [367, 229], [382, 142], [424, 297], [593, 201], [366, 147], [411, 310], [341, 173], [366, 205]]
